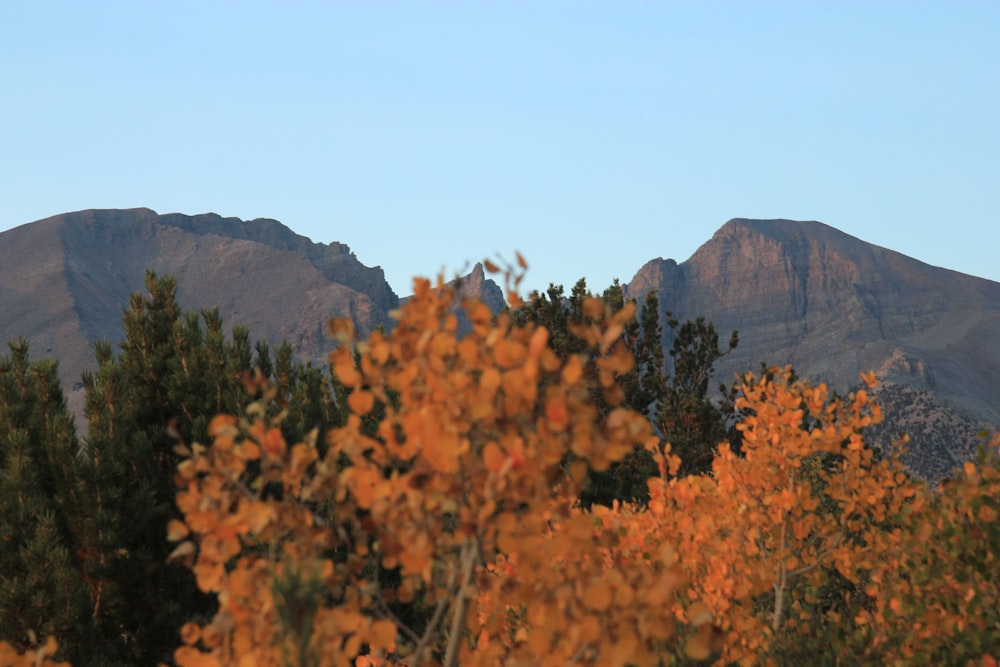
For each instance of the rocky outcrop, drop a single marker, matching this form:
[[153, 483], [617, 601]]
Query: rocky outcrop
[[67, 279], [831, 305]]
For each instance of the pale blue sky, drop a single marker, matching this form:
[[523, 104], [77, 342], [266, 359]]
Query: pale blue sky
[[591, 136]]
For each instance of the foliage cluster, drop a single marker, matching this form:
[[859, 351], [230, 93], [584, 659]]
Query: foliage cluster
[[439, 513]]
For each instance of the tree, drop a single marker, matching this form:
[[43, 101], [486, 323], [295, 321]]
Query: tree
[[166, 377], [174, 370], [465, 474], [40, 592], [757, 537], [687, 418], [937, 583]]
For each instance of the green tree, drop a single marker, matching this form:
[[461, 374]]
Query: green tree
[[687, 417], [41, 593], [641, 388], [174, 370], [158, 387]]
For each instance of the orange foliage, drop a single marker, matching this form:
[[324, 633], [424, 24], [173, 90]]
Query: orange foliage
[[472, 465], [458, 467], [39, 657], [803, 497]]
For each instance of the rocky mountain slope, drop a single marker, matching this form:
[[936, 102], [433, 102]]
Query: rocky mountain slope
[[800, 293], [831, 305], [65, 280]]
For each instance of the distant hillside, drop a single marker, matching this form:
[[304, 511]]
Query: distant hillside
[[831, 305], [800, 293], [66, 280]]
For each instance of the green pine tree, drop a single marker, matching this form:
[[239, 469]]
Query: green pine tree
[[643, 386], [687, 417], [41, 592], [174, 372]]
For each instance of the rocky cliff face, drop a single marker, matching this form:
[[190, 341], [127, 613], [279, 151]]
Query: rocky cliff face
[[66, 280], [831, 305]]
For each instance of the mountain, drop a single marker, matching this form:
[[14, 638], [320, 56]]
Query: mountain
[[800, 293], [66, 280], [831, 305]]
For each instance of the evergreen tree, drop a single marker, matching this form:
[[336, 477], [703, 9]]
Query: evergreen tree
[[41, 593], [140, 601], [687, 418], [643, 386], [174, 371]]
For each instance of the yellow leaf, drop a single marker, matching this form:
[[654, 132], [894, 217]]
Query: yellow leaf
[[572, 371], [538, 342], [597, 597], [361, 402], [222, 425], [698, 614], [177, 530], [182, 549], [384, 634], [493, 457], [258, 516]]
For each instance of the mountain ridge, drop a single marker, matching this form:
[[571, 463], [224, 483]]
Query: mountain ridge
[[832, 305], [67, 280], [799, 292]]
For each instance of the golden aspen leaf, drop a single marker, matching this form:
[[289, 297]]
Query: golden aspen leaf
[[183, 549], [176, 530], [222, 425], [259, 514], [493, 457], [490, 379], [597, 596], [507, 353], [698, 614], [593, 307], [361, 401], [273, 443], [249, 450], [384, 634], [442, 345], [611, 334], [190, 633], [344, 368], [572, 371], [490, 266], [521, 261], [556, 414], [539, 339], [506, 542]]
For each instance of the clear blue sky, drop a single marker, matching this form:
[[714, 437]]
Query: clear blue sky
[[591, 136]]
